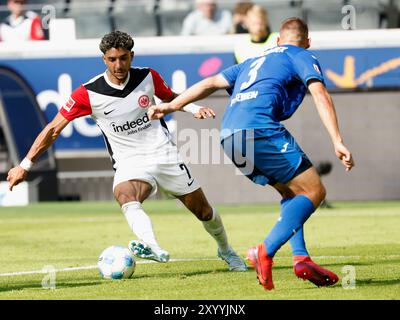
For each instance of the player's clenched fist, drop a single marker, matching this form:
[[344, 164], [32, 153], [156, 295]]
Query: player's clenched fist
[[15, 176], [156, 112]]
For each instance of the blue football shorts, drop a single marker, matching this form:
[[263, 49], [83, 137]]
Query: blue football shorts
[[266, 156]]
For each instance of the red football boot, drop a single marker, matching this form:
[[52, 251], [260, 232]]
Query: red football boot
[[260, 261], [307, 269]]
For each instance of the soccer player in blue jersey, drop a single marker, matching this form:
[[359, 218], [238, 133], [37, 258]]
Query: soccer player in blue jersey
[[265, 91]]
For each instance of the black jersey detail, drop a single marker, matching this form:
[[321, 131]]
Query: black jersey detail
[[109, 149], [100, 85], [164, 124], [166, 131]]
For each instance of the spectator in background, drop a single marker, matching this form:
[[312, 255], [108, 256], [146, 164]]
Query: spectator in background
[[207, 19], [390, 15], [239, 17], [21, 25], [260, 36]]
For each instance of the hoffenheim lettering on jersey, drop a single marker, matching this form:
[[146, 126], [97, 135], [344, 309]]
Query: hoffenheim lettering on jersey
[[274, 50], [244, 97], [269, 88]]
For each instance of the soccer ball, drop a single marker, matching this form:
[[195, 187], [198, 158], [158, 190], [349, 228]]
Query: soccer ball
[[116, 262]]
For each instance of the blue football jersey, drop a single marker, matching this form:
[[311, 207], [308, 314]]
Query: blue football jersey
[[269, 88]]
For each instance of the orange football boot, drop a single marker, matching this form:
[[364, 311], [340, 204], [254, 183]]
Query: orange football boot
[[262, 264]]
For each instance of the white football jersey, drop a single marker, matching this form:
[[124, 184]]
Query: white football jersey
[[120, 111], [24, 28]]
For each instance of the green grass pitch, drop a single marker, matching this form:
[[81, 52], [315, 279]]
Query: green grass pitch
[[365, 236]]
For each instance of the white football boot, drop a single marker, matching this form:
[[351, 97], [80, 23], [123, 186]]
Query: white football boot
[[234, 262], [142, 250]]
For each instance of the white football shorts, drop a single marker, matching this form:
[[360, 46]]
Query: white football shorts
[[173, 178]]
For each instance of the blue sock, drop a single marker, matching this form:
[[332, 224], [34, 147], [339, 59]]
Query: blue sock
[[298, 244], [297, 240], [294, 213]]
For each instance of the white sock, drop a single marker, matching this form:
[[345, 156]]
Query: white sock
[[216, 229], [140, 224]]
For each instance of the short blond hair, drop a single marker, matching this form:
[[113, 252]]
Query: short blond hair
[[294, 29]]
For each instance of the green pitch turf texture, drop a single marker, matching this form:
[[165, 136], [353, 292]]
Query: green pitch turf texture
[[365, 236]]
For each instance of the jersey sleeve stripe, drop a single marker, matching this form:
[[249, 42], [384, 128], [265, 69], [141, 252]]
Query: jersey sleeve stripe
[[161, 89], [78, 104]]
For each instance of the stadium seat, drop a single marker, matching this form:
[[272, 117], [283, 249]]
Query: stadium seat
[[225, 5], [172, 22], [137, 18], [172, 13], [37, 6], [92, 17], [323, 17], [281, 10], [62, 29], [368, 13]]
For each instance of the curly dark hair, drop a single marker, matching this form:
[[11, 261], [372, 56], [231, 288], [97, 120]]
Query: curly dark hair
[[116, 39]]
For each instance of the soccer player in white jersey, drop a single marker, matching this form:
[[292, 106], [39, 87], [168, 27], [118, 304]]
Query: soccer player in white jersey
[[141, 151], [21, 25]]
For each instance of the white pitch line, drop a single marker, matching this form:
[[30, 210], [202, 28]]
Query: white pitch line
[[22, 273], [45, 271]]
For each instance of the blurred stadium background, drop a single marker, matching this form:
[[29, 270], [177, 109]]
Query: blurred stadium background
[[361, 66]]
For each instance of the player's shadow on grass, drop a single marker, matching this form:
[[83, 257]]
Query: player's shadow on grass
[[377, 282], [364, 263], [180, 274], [38, 285], [186, 274], [183, 275], [342, 264]]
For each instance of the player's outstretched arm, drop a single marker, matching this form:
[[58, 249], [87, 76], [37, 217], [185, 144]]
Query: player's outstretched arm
[[198, 91], [42, 142], [327, 113]]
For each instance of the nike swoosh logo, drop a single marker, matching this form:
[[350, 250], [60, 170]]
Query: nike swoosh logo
[[190, 183], [106, 113]]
